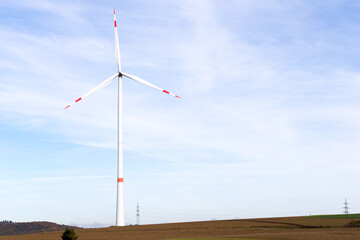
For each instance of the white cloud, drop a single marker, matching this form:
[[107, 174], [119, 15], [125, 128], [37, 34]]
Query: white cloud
[[269, 96]]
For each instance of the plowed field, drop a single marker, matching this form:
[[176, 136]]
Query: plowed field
[[292, 228]]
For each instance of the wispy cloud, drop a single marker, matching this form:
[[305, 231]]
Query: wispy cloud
[[269, 95]]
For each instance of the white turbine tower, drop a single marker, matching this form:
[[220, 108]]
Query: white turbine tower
[[120, 219]]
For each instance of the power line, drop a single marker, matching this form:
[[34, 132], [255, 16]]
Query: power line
[[137, 214], [346, 207]]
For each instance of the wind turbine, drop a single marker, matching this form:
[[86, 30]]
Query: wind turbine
[[120, 219]]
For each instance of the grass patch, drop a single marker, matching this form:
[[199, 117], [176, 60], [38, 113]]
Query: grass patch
[[214, 239], [338, 216]]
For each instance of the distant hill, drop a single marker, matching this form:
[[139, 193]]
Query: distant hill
[[11, 228]]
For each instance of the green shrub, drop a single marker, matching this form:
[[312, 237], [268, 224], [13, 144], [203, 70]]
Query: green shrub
[[69, 234], [355, 223]]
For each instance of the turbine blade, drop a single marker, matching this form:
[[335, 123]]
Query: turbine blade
[[98, 87], [140, 80], [117, 48]]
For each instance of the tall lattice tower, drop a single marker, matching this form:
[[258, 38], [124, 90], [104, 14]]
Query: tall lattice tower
[[346, 207], [137, 214]]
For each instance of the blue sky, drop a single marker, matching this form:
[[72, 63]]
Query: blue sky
[[269, 123]]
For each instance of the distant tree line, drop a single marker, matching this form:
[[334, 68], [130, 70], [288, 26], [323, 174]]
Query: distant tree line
[[7, 221]]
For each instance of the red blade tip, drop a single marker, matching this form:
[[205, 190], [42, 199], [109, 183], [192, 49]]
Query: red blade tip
[[78, 100], [67, 107]]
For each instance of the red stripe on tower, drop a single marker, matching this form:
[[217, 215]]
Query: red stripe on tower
[[165, 91], [120, 180], [115, 23], [78, 100]]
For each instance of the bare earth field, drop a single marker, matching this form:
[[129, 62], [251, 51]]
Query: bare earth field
[[291, 228]]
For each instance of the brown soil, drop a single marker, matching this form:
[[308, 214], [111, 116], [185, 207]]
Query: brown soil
[[294, 228]]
